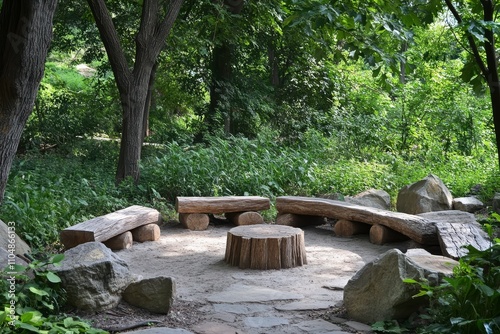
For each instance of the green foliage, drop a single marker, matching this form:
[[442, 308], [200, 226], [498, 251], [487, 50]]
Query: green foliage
[[32, 295], [47, 193], [468, 301]]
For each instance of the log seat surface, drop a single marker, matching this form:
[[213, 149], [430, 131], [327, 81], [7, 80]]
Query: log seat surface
[[108, 226], [222, 204], [416, 228], [265, 247]]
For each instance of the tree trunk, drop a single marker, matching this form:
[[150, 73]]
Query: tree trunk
[[25, 36], [492, 77], [221, 76], [134, 85]]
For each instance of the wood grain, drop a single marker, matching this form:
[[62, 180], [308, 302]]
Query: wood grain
[[265, 247], [222, 204]]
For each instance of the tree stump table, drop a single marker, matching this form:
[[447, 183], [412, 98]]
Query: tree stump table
[[265, 247]]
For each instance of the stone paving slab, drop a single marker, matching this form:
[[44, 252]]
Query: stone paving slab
[[161, 330], [241, 293], [210, 327], [306, 306], [241, 308], [318, 326], [264, 322]]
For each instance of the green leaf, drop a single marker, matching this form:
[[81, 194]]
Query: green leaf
[[53, 278], [56, 258], [38, 291]]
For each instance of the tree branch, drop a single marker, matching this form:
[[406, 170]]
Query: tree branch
[[472, 42], [111, 42]]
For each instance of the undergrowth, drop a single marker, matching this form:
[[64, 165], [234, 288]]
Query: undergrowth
[[49, 192]]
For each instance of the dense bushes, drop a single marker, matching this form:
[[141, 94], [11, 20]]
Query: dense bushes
[[47, 193]]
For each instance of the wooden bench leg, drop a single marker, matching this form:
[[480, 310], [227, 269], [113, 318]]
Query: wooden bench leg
[[194, 221], [121, 241], [150, 232], [294, 220], [380, 235], [347, 228], [245, 218]]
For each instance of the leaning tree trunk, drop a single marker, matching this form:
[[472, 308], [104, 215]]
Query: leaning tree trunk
[[25, 36], [492, 76]]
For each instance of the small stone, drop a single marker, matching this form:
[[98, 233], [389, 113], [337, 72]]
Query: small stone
[[6, 230], [153, 294], [467, 204], [305, 306]]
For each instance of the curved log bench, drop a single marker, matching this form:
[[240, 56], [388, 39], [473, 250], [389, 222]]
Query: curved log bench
[[451, 230], [240, 210], [414, 227]]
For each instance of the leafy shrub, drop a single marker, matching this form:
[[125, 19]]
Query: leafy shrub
[[467, 302], [32, 296]]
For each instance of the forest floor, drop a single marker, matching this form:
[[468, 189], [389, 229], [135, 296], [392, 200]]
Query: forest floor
[[195, 259]]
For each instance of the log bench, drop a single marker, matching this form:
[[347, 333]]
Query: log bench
[[240, 210], [117, 230], [450, 230]]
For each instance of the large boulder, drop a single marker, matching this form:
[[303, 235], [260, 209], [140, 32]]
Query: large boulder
[[153, 294], [377, 291], [426, 195], [6, 232], [93, 276], [374, 198]]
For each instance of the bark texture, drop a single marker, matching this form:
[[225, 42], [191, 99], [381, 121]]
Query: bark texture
[[135, 82], [25, 36]]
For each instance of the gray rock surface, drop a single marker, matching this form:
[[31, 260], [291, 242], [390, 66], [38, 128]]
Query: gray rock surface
[[426, 195], [241, 293], [161, 330], [467, 204], [450, 216], [264, 322], [377, 291], [318, 326], [6, 256], [496, 203], [20, 246], [153, 294], [93, 277], [374, 198]]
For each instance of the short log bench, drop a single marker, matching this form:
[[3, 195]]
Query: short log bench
[[117, 230], [450, 230], [240, 210]]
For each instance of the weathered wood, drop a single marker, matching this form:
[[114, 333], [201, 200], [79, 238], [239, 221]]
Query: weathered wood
[[347, 228], [417, 228], [150, 232], [244, 218], [121, 241], [223, 204], [454, 236], [194, 221], [108, 226], [290, 219], [380, 234], [265, 247]]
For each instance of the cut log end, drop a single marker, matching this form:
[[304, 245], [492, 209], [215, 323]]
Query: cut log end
[[150, 232], [380, 234], [245, 218], [347, 228], [194, 221], [290, 219], [265, 247], [121, 241]]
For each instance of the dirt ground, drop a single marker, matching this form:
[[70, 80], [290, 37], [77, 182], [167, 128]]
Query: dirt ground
[[196, 260]]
